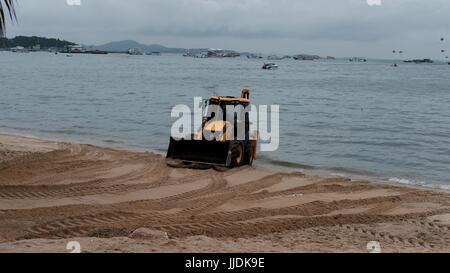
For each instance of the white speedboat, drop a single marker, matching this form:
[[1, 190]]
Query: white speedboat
[[269, 66]]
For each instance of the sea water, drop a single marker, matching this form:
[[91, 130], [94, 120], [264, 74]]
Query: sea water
[[368, 119]]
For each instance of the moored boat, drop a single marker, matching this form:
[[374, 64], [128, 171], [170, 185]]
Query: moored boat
[[358, 60], [134, 51], [97, 52], [420, 61], [19, 49], [269, 66]]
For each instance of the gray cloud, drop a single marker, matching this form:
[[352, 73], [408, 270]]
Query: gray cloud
[[337, 27]]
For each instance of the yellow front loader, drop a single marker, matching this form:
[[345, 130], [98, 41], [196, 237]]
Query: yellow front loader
[[223, 150]]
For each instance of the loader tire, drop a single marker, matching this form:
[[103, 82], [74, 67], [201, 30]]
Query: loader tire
[[248, 159], [237, 153]]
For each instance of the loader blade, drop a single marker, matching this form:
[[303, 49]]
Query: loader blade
[[200, 151]]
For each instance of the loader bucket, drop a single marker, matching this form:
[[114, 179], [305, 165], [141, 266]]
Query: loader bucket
[[199, 151]]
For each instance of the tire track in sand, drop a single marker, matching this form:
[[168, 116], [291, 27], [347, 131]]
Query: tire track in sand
[[53, 228], [254, 227], [387, 237]]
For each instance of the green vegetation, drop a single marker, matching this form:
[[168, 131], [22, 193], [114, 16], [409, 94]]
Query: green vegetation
[[29, 42]]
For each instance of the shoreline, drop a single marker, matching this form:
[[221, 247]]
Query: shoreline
[[311, 170], [118, 200]]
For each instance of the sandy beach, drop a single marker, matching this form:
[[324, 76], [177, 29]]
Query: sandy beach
[[113, 200]]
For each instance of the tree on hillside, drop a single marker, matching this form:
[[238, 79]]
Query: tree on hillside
[[28, 42], [7, 7]]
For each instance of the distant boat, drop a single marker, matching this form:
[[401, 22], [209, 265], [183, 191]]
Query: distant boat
[[274, 58], [420, 61], [19, 49], [306, 57], [358, 60], [155, 53], [269, 66], [253, 56], [277, 58], [220, 53], [75, 49], [97, 52], [69, 55], [134, 51]]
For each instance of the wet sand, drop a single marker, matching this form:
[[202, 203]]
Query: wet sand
[[126, 201]]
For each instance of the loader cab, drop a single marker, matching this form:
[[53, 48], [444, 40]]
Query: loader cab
[[238, 115]]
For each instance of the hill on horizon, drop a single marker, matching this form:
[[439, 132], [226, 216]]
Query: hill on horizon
[[124, 45]]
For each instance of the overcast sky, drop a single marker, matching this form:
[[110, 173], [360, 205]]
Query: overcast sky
[[325, 27]]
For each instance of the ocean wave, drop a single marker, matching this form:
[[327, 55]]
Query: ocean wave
[[419, 183], [111, 141], [351, 173]]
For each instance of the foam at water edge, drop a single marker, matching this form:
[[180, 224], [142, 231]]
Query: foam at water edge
[[419, 183]]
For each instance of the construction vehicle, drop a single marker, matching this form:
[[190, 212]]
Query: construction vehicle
[[224, 150]]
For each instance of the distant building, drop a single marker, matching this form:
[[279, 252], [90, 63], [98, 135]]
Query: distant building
[[36, 48], [53, 49]]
